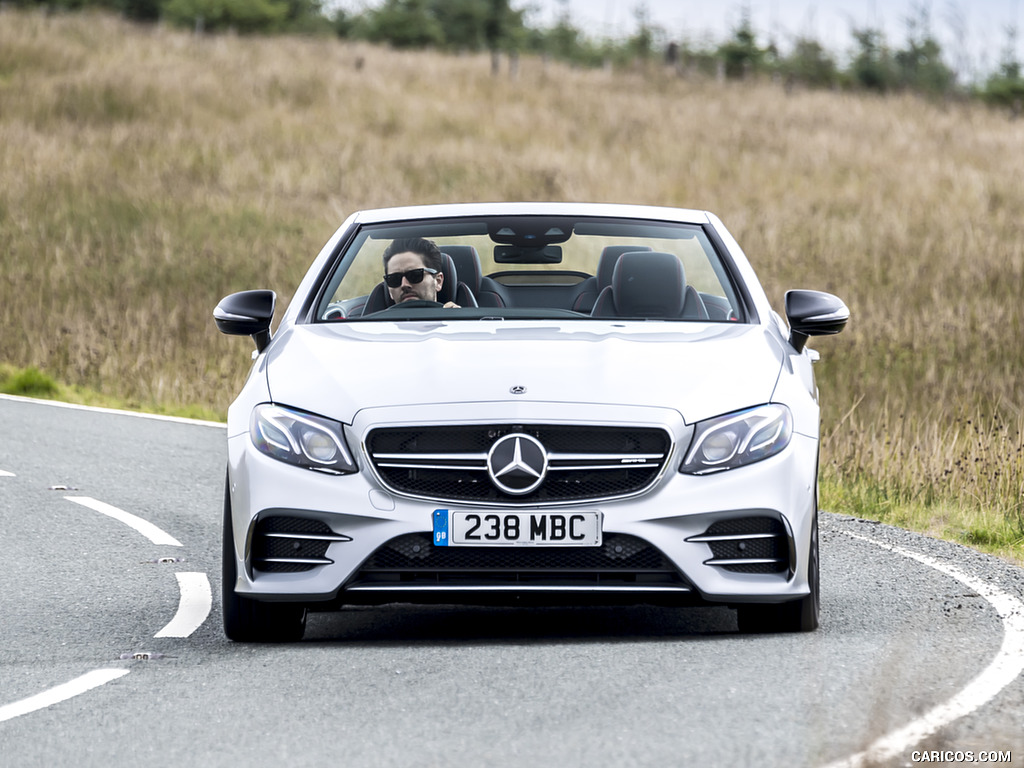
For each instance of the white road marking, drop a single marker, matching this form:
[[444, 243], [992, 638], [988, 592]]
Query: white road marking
[[60, 693], [146, 528], [97, 409], [193, 608], [1005, 667]]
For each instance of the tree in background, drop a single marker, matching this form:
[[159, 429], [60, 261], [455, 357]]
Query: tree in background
[[463, 23], [741, 57], [504, 31], [500, 27], [405, 24], [642, 44], [217, 15], [453, 25], [138, 10], [919, 66], [1005, 87], [809, 64], [565, 41], [872, 67]]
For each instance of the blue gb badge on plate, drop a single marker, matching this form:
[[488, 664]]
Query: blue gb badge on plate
[[440, 527]]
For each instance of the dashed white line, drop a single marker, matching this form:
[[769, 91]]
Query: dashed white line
[[196, 599], [193, 608], [146, 528], [60, 693], [1004, 669]]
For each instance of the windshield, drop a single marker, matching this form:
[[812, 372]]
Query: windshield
[[530, 267]]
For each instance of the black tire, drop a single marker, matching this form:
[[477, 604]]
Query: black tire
[[795, 616], [252, 621]]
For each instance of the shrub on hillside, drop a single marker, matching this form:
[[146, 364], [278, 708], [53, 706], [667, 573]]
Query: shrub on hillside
[[1006, 88], [240, 15]]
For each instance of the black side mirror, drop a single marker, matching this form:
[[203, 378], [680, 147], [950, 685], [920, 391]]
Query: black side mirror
[[813, 313], [247, 313]]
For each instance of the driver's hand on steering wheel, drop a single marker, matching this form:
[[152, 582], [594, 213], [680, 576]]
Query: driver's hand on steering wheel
[[451, 305]]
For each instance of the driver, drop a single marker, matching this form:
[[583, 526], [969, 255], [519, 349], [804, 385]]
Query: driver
[[412, 271]]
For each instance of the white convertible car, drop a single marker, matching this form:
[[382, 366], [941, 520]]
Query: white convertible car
[[525, 403]]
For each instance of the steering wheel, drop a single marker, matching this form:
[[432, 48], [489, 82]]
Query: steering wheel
[[416, 304]]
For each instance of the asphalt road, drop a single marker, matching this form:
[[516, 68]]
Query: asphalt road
[[921, 645]]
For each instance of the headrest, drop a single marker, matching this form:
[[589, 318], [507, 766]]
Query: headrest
[[467, 264], [609, 258], [450, 284], [650, 284]]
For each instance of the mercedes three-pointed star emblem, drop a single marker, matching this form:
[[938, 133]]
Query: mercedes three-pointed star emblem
[[517, 464]]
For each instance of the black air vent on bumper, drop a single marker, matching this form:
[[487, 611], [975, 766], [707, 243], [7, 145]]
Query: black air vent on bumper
[[291, 544], [748, 545]]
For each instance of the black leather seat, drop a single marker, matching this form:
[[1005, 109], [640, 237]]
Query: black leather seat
[[649, 284], [488, 292], [451, 290], [591, 288]]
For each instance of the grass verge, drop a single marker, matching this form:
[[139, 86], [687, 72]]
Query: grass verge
[[31, 382], [993, 530]]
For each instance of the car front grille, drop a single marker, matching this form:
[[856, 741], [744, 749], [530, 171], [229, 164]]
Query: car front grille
[[282, 544], [748, 545], [450, 463], [413, 561]]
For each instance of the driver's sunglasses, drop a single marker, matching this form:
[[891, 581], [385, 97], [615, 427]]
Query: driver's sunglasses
[[414, 276]]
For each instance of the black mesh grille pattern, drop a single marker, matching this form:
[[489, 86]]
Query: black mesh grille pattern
[[566, 481], [621, 559], [269, 553], [746, 525], [752, 539]]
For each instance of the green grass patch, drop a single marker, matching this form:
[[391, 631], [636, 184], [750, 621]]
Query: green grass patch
[[28, 382], [31, 382], [997, 530]]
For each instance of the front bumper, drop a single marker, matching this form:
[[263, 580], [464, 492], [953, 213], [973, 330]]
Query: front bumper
[[358, 517]]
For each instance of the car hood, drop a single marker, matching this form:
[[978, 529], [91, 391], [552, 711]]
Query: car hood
[[699, 370]]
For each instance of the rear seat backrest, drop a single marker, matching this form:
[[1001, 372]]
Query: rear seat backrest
[[590, 288], [644, 284]]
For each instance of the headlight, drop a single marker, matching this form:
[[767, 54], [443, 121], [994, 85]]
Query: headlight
[[301, 439], [736, 439]]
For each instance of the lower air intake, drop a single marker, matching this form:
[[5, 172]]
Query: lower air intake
[[621, 561], [748, 545]]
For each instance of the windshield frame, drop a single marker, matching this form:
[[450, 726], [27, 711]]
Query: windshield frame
[[539, 228]]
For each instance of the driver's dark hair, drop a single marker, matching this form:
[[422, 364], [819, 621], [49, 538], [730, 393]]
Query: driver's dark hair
[[426, 248]]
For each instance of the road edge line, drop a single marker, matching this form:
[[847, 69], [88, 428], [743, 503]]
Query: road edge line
[[1001, 671], [115, 411]]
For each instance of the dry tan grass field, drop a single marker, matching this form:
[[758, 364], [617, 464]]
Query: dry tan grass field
[[145, 172]]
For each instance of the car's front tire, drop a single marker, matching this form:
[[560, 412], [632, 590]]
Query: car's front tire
[[252, 621], [795, 616]]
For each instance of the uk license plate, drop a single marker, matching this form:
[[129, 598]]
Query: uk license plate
[[457, 528]]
